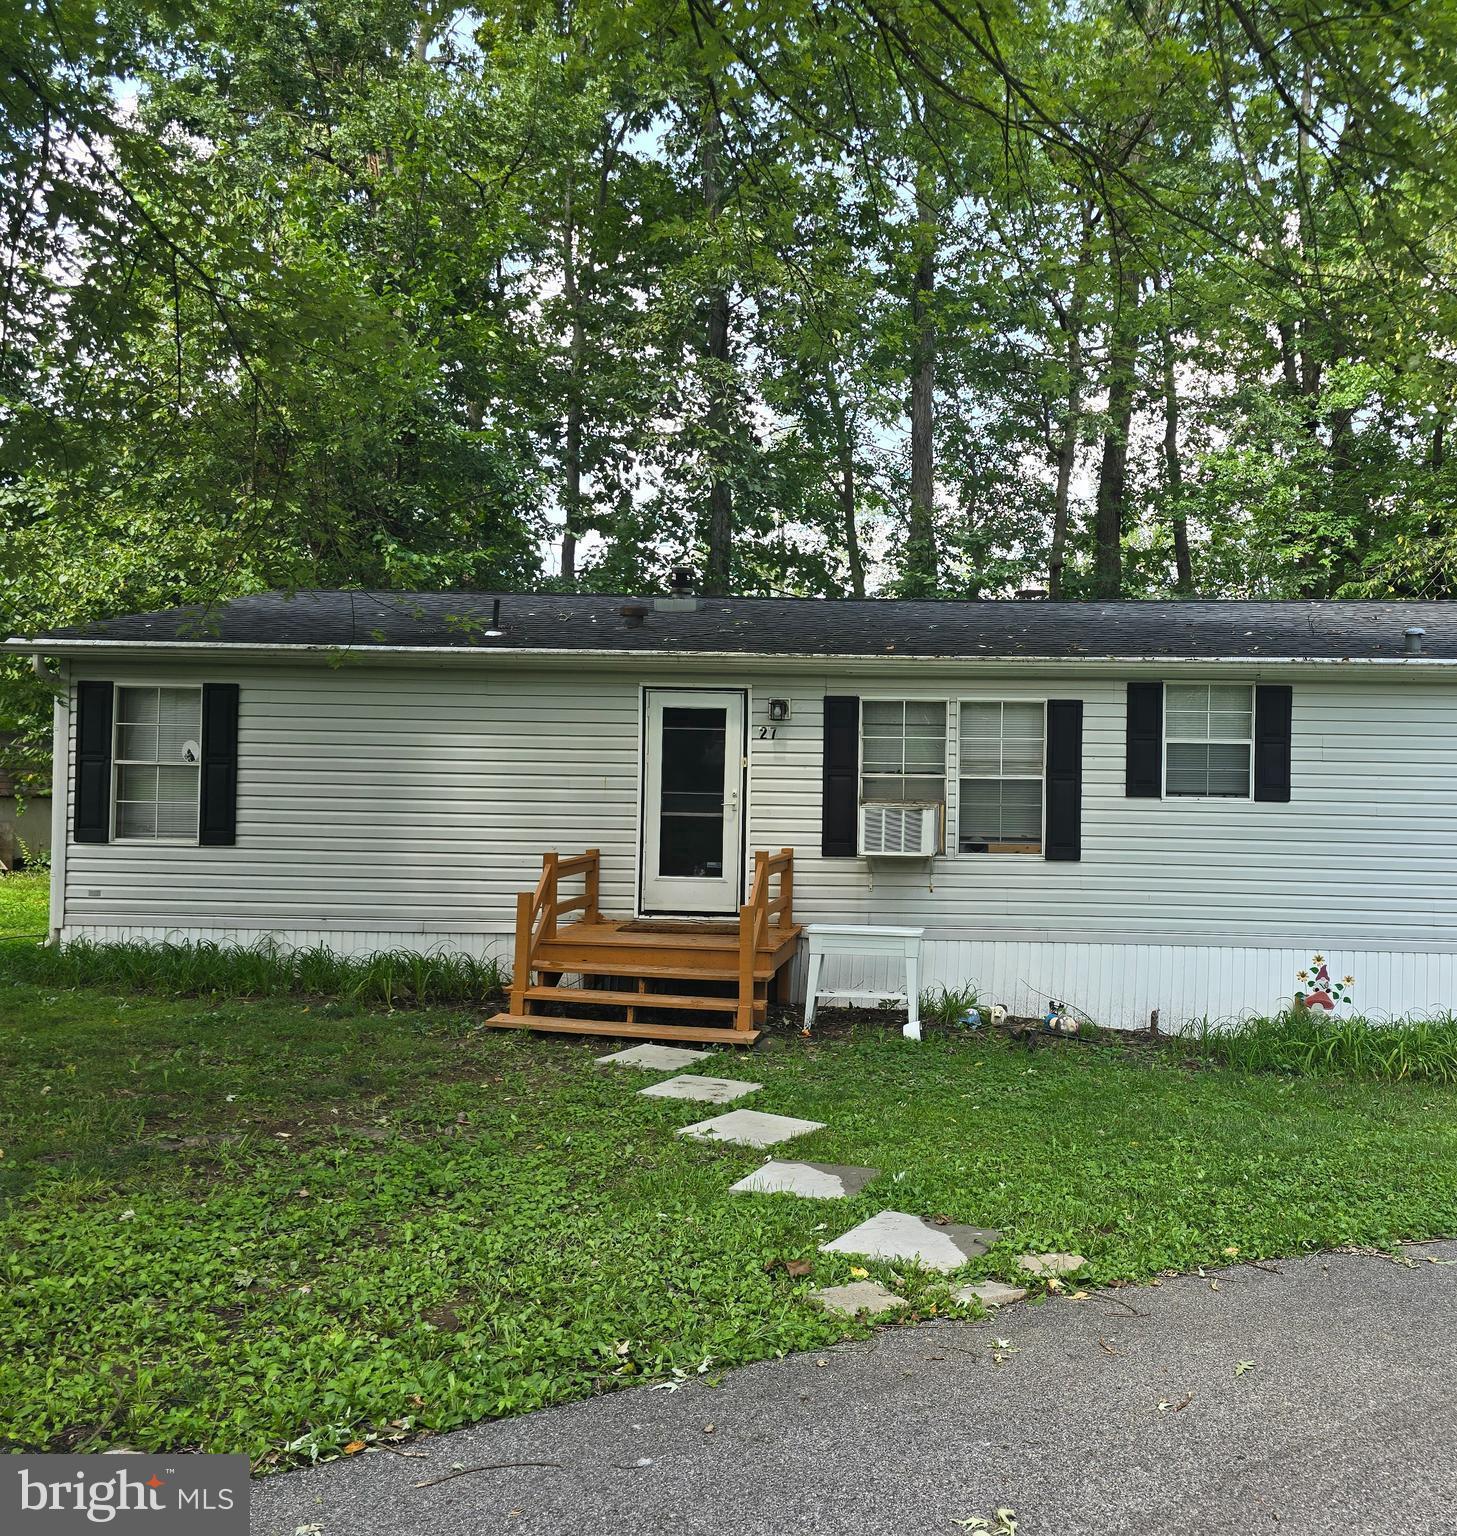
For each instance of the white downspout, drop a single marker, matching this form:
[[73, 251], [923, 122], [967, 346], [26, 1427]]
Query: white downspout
[[58, 679]]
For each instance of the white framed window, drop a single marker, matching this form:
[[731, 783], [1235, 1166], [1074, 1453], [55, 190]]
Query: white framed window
[[156, 758], [1209, 739], [903, 749], [1003, 751]]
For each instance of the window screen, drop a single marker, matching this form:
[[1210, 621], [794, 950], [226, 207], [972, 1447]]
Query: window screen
[[158, 751], [902, 750], [1001, 777], [1208, 735]]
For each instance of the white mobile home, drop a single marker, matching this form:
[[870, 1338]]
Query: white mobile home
[[1128, 805]]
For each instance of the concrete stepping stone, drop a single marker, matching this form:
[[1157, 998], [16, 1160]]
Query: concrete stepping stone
[[713, 1090], [898, 1235], [990, 1293], [750, 1128], [655, 1058], [1050, 1263], [867, 1296], [815, 1181]]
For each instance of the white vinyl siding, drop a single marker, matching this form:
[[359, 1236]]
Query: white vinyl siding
[[156, 757], [1002, 746], [391, 805], [1364, 854], [903, 749], [1208, 739]]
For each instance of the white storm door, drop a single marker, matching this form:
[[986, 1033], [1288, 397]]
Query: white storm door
[[693, 791]]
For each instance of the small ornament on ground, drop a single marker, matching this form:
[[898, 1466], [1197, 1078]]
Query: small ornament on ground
[[1057, 1020]]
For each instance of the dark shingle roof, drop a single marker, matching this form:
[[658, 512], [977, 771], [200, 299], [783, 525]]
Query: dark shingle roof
[[798, 626]]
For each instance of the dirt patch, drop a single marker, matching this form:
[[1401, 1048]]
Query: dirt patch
[[786, 1024], [371, 1133], [170, 1140], [445, 1316]]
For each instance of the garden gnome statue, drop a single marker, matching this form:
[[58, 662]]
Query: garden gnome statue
[[1319, 995]]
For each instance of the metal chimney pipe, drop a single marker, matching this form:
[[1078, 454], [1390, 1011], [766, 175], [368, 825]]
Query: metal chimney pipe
[[680, 598], [1412, 641]]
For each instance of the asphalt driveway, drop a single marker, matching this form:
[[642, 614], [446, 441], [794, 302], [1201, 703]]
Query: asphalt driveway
[[1308, 1396]]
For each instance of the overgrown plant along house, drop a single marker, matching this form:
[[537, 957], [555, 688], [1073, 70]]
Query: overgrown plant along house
[[1128, 805]]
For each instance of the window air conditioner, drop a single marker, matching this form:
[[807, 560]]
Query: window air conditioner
[[899, 829]]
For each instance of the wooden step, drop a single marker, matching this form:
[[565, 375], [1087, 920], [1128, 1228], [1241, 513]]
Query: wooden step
[[584, 946], [619, 960], [700, 1034], [556, 956], [612, 933], [597, 996]]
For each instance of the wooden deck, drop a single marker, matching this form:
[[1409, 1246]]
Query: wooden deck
[[674, 981]]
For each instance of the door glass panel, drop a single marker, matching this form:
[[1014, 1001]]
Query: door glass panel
[[690, 827]]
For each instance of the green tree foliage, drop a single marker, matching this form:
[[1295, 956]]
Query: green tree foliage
[[845, 297]]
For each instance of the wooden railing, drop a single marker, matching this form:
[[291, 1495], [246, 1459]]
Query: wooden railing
[[764, 920], [537, 912], [754, 922]]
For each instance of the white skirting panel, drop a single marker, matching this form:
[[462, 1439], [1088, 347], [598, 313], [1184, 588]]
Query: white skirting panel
[[343, 941], [1120, 984], [1116, 984]]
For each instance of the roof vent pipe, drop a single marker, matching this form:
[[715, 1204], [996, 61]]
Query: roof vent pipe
[[494, 632], [634, 613], [1411, 641], [680, 597]]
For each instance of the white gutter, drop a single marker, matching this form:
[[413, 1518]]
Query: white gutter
[[263, 648]]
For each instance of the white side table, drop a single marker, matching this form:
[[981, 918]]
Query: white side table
[[850, 939]]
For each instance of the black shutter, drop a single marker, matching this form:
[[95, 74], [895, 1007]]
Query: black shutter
[[92, 815], [1144, 743], [838, 831], [218, 821], [1272, 742], [1064, 779]]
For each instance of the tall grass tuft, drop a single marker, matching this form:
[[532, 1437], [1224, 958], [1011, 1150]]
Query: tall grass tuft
[[387, 978], [1304, 1043], [945, 1006]]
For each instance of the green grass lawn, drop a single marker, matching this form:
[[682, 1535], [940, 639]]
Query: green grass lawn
[[23, 904], [278, 1226]]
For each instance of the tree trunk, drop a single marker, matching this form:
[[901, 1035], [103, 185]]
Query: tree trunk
[[1071, 319], [720, 529], [845, 491], [572, 454], [1346, 499], [1067, 454], [1436, 463], [1174, 470], [1113, 471], [424, 36], [1288, 366], [920, 561]]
